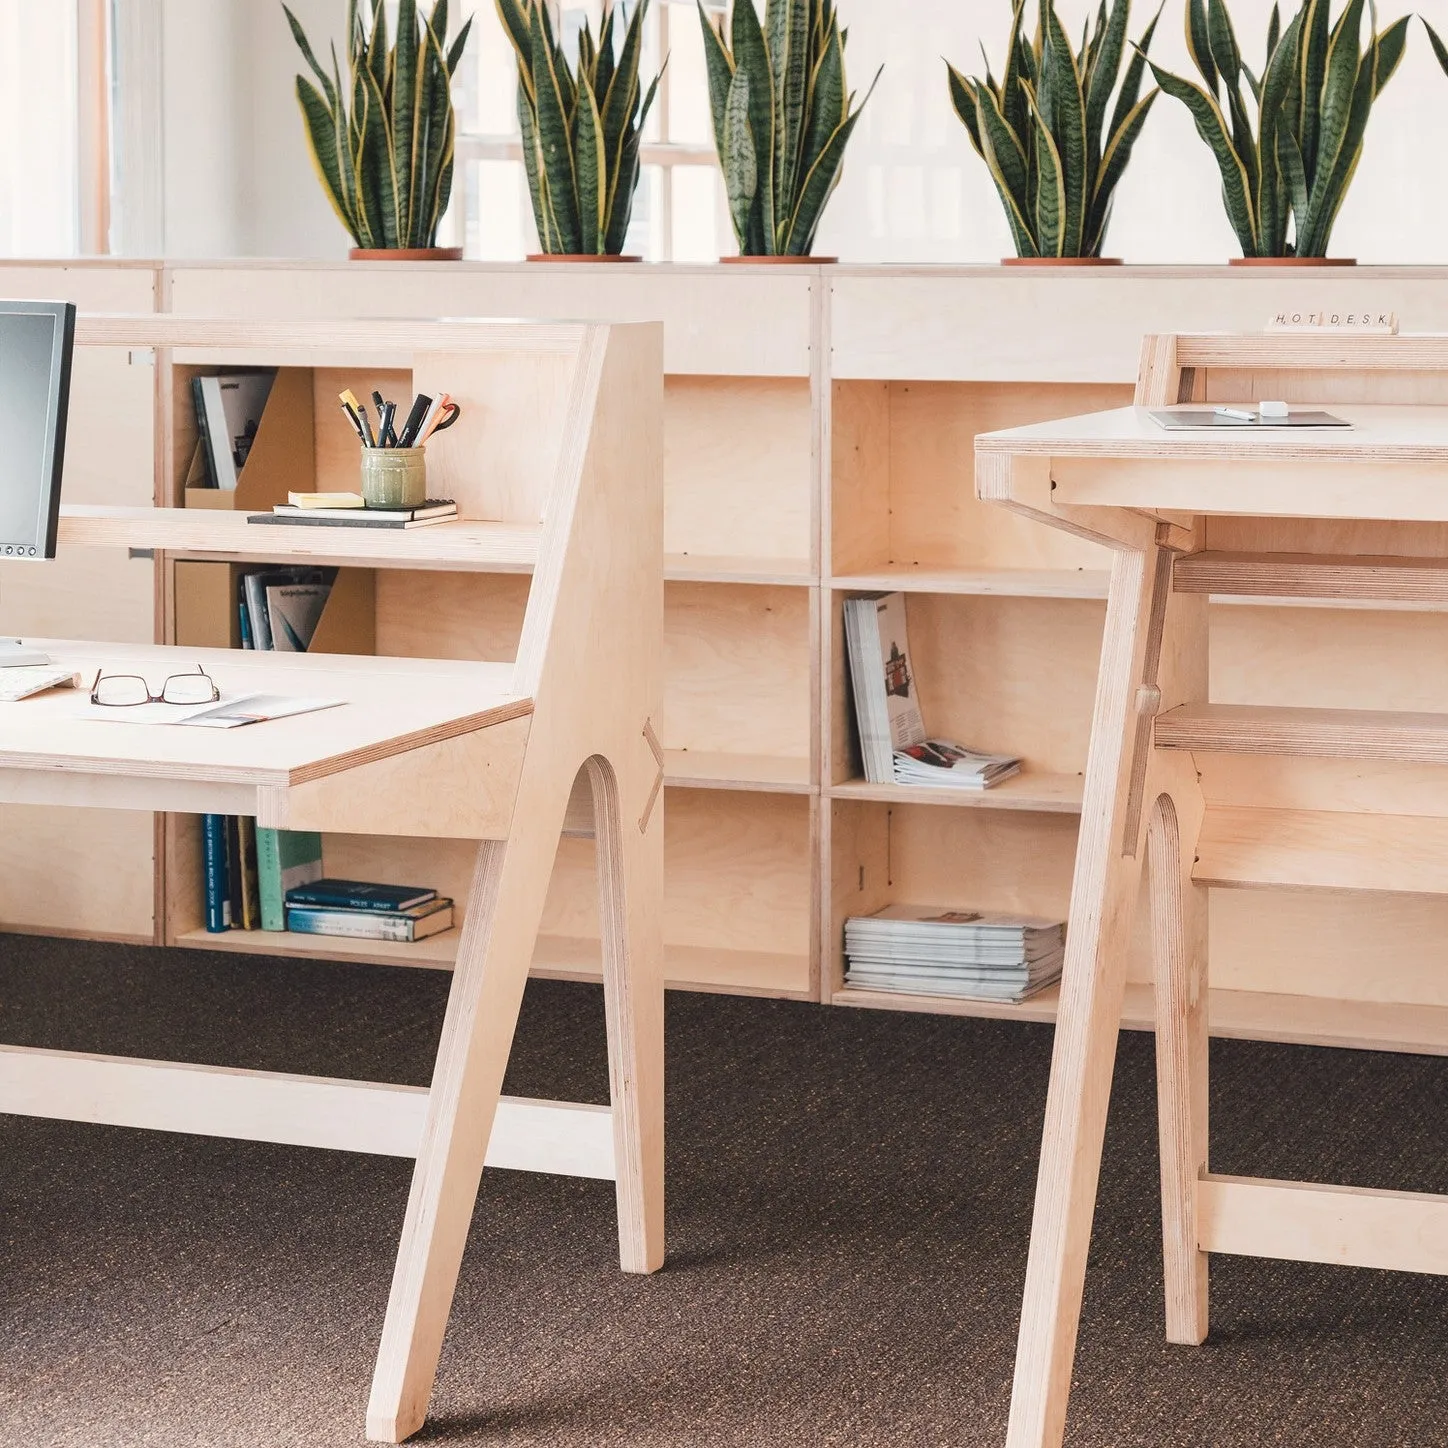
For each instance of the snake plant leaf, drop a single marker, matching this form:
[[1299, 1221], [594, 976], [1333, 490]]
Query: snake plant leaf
[[752, 56], [1222, 42], [1130, 92], [1068, 127], [819, 181], [789, 59], [1312, 68], [1012, 95], [325, 148], [553, 137], [1009, 170], [1105, 65], [591, 166], [1211, 126], [1199, 43], [329, 91], [1339, 87], [533, 168], [1439, 49], [1293, 172], [1113, 164], [1050, 206], [514, 15], [1278, 104], [739, 157], [1274, 29], [455, 52], [375, 51], [719, 68], [439, 130], [962, 98], [1391, 44], [406, 113]]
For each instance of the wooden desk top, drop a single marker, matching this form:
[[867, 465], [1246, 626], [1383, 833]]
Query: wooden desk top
[[1378, 435], [1391, 466], [393, 705]]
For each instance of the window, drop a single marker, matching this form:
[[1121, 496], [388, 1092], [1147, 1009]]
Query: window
[[39, 112], [679, 212]]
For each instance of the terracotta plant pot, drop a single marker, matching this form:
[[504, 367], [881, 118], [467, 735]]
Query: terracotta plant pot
[[407, 253], [1060, 261], [778, 260], [1292, 261], [583, 256]]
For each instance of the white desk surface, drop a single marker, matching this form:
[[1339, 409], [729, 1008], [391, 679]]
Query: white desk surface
[[1378, 434], [392, 705]]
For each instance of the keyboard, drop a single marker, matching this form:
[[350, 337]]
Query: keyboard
[[24, 680]]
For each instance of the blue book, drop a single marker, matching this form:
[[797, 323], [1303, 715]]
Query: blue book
[[359, 895], [216, 878]]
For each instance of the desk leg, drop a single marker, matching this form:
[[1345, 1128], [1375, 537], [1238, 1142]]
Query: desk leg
[[505, 907], [1179, 947], [630, 891], [1103, 899]]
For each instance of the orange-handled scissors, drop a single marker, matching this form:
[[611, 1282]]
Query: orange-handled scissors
[[443, 413]]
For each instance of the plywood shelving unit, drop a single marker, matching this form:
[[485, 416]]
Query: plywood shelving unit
[[819, 426]]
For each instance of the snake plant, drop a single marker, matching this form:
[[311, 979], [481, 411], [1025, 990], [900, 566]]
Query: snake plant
[[383, 142], [581, 129], [1312, 102], [1042, 131], [782, 118]]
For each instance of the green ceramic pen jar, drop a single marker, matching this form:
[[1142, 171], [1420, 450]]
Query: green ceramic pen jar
[[394, 477]]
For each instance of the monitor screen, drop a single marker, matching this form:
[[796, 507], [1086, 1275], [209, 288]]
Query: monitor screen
[[36, 339]]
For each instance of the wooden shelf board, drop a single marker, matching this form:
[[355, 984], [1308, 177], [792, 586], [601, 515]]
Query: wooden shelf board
[[763, 773], [557, 957], [1002, 582], [205, 533], [727, 568], [1246, 1015], [1028, 791]]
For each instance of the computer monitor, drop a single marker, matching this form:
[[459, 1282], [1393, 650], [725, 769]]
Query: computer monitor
[[36, 340]]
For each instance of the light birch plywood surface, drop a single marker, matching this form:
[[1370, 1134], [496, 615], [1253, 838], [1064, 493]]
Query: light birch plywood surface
[[392, 705]]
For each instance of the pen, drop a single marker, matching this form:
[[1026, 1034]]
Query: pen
[[1237, 414], [349, 399], [387, 437], [413, 425], [356, 423]]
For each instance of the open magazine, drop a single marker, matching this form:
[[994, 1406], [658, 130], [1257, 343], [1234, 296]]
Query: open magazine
[[894, 746]]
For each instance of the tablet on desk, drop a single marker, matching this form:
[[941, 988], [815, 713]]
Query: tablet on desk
[[1195, 419]]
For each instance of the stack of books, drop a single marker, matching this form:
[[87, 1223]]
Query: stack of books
[[894, 747], [349, 510], [927, 950], [367, 911], [281, 607]]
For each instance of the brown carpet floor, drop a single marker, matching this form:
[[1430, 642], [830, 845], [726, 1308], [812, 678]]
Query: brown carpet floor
[[849, 1199]]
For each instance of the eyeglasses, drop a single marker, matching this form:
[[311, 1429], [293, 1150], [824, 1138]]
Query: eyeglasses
[[119, 691]]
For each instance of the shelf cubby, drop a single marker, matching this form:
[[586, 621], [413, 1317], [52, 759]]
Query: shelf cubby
[[903, 497]]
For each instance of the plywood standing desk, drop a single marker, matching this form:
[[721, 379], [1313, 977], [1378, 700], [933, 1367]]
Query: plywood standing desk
[[557, 469], [1235, 796]]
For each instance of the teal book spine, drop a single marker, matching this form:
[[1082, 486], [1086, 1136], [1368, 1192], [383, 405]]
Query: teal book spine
[[216, 884], [284, 859]]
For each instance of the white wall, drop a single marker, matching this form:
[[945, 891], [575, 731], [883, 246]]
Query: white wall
[[239, 177]]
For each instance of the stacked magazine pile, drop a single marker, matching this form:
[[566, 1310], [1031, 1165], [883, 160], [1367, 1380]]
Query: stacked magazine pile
[[893, 744], [926, 950]]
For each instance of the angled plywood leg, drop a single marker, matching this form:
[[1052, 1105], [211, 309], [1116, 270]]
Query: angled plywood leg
[[1103, 898], [505, 908], [1179, 947], [630, 888]]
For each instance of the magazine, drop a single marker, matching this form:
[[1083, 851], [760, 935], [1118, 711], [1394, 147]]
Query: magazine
[[894, 747]]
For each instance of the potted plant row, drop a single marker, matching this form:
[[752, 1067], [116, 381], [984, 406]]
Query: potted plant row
[[1056, 130], [1286, 146]]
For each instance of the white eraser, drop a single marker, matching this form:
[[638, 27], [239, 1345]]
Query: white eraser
[[1272, 409]]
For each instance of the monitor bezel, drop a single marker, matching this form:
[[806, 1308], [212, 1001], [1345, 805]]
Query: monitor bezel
[[47, 515]]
